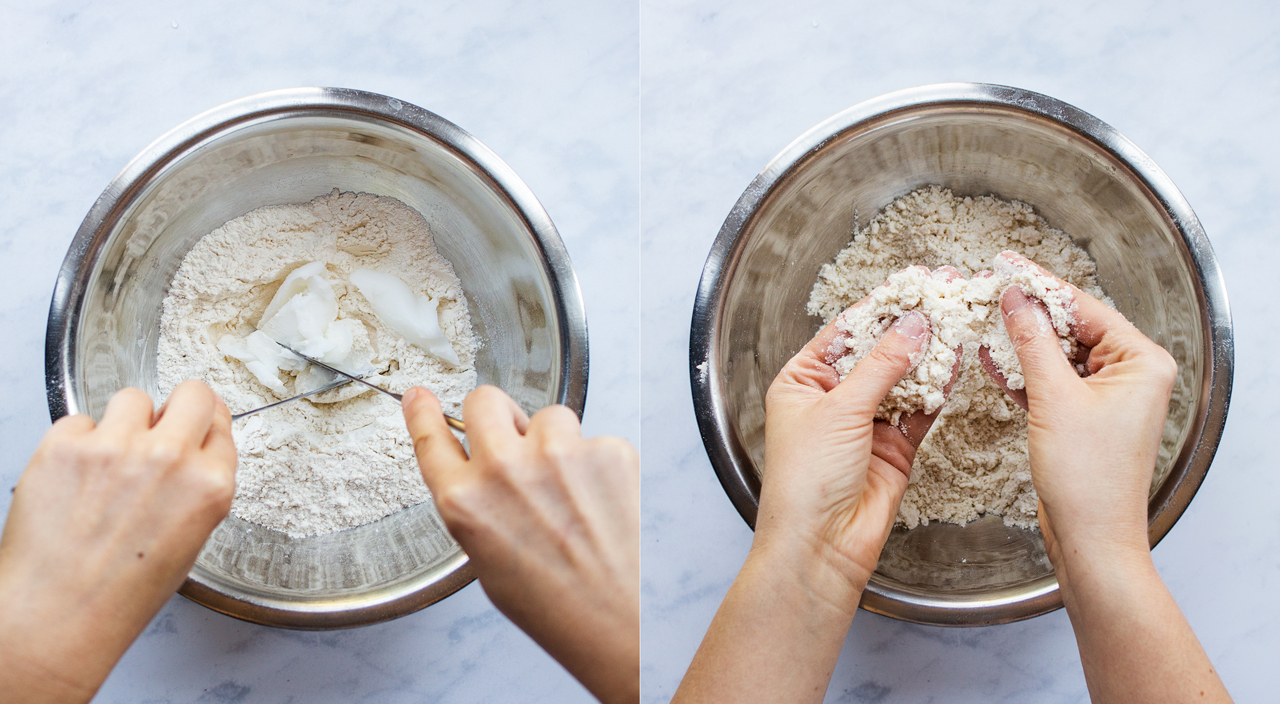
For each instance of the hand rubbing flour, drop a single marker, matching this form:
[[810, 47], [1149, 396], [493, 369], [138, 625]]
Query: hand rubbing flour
[[974, 460], [342, 458]]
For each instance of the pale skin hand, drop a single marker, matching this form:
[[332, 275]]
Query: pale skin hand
[[1092, 443], [105, 524], [832, 484], [551, 523]]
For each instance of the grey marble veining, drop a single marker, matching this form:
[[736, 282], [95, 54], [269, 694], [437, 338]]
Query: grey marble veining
[[551, 88], [727, 85]]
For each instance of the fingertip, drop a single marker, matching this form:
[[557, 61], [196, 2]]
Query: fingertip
[[1019, 396], [220, 407], [947, 273], [1013, 300], [74, 424], [419, 407], [489, 409], [892, 358], [414, 398], [129, 408], [558, 417], [1092, 319], [1034, 340], [192, 392], [195, 385], [912, 325]]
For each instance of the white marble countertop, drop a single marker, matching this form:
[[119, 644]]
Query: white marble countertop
[[551, 87], [553, 90], [727, 85]]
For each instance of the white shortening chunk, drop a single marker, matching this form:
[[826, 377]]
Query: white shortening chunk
[[415, 318], [261, 356], [302, 312], [303, 315]]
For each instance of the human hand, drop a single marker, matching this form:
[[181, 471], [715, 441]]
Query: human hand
[[1092, 441], [551, 523], [105, 524], [1092, 444], [832, 482], [834, 476]]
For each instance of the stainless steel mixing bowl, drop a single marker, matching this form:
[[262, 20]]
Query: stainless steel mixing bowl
[[287, 147], [1084, 178]]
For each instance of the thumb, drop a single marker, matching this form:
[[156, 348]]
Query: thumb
[[1035, 341], [438, 451], [866, 386]]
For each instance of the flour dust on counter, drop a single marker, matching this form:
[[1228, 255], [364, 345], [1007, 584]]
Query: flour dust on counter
[[354, 280]]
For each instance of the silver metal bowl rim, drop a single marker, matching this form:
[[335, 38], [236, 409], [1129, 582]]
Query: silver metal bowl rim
[[731, 461], [73, 276]]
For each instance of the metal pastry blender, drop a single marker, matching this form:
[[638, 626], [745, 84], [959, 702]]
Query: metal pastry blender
[[450, 420]]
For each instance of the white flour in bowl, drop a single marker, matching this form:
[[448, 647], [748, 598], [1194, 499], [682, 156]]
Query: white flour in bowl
[[974, 460], [343, 458]]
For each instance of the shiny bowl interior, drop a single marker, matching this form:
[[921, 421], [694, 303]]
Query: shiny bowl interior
[[1084, 178], [288, 147]]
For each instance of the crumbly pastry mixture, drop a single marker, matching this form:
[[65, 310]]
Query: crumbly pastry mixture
[[963, 314], [974, 460], [342, 458]]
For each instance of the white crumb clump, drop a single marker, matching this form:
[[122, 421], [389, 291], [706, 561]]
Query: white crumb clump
[[963, 314], [974, 460], [1058, 301], [941, 299], [342, 458]]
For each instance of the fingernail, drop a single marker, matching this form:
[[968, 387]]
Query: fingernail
[[912, 324], [410, 395], [1014, 300]]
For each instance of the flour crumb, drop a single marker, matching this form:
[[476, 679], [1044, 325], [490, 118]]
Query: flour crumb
[[974, 460], [343, 458]]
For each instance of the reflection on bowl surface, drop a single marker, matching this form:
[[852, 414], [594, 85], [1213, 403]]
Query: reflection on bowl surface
[[1080, 175], [288, 147]]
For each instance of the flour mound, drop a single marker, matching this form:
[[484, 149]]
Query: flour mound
[[342, 458], [974, 460]]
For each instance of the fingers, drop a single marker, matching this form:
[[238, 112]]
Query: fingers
[[492, 418], [824, 349], [188, 413], [914, 427], [1035, 341], [218, 442], [865, 387], [1096, 325], [69, 427], [892, 445], [1019, 396], [947, 273], [128, 411], [1093, 319], [438, 450], [1017, 261], [555, 422], [812, 365]]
